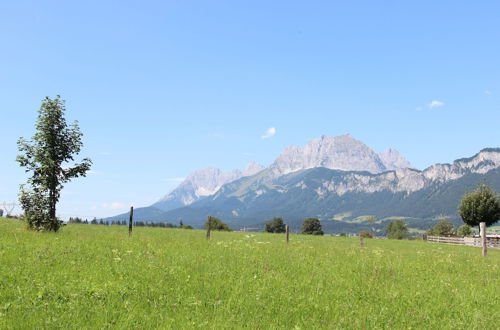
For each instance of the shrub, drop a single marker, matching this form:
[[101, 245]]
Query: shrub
[[464, 230], [397, 230], [365, 234], [442, 228], [216, 224], [312, 226], [275, 226]]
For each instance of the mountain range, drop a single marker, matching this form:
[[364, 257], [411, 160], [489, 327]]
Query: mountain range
[[339, 180]]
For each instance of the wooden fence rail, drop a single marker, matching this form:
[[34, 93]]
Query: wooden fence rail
[[492, 243]]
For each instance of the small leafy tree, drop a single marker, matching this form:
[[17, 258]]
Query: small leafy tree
[[464, 230], [397, 230], [47, 156], [312, 226], [1, 213], [442, 228], [365, 234], [371, 220], [216, 224], [481, 205], [275, 226]]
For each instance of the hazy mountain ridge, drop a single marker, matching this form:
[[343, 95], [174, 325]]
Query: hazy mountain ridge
[[325, 193], [341, 152], [327, 177], [202, 183]]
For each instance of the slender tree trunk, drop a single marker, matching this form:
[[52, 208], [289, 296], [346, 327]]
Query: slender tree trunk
[[52, 201]]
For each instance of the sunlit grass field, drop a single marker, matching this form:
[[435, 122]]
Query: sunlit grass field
[[97, 277]]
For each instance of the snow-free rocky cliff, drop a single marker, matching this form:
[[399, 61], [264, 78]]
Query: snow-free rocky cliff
[[341, 152], [326, 193], [326, 177]]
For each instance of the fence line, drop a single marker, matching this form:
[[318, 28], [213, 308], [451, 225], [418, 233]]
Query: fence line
[[491, 242]]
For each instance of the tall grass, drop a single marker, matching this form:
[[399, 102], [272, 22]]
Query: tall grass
[[97, 277]]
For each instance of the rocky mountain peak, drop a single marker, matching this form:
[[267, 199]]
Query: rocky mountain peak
[[252, 168], [342, 152], [393, 160]]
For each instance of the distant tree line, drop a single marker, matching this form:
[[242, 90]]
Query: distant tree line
[[477, 206], [125, 223]]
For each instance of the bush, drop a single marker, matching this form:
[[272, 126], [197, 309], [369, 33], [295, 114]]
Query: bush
[[442, 228], [275, 226], [464, 230], [365, 234], [397, 230], [312, 226], [37, 212], [216, 224]]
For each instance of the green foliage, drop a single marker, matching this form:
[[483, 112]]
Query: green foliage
[[94, 277], [365, 234], [481, 205], [312, 226], [216, 224], [442, 228], [397, 230], [46, 157], [36, 206], [275, 226], [464, 230], [1, 213]]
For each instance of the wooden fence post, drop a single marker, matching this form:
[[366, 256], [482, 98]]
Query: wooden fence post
[[208, 229], [361, 241], [482, 232], [130, 221], [287, 231]]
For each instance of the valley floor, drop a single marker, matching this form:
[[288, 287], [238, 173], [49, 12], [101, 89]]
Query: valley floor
[[97, 277]]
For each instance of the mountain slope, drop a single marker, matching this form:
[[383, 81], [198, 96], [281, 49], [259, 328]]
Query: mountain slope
[[326, 193], [202, 183]]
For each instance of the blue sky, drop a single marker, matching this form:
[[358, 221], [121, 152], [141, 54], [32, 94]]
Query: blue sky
[[162, 88]]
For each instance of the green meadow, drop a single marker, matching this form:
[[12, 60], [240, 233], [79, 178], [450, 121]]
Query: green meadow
[[97, 277]]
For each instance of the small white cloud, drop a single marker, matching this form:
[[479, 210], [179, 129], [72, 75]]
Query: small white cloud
[[435, 104], [487, 92], [175, 179], [116, 205], [92, 172], [113, 206], [419, 108], [270, 132]]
